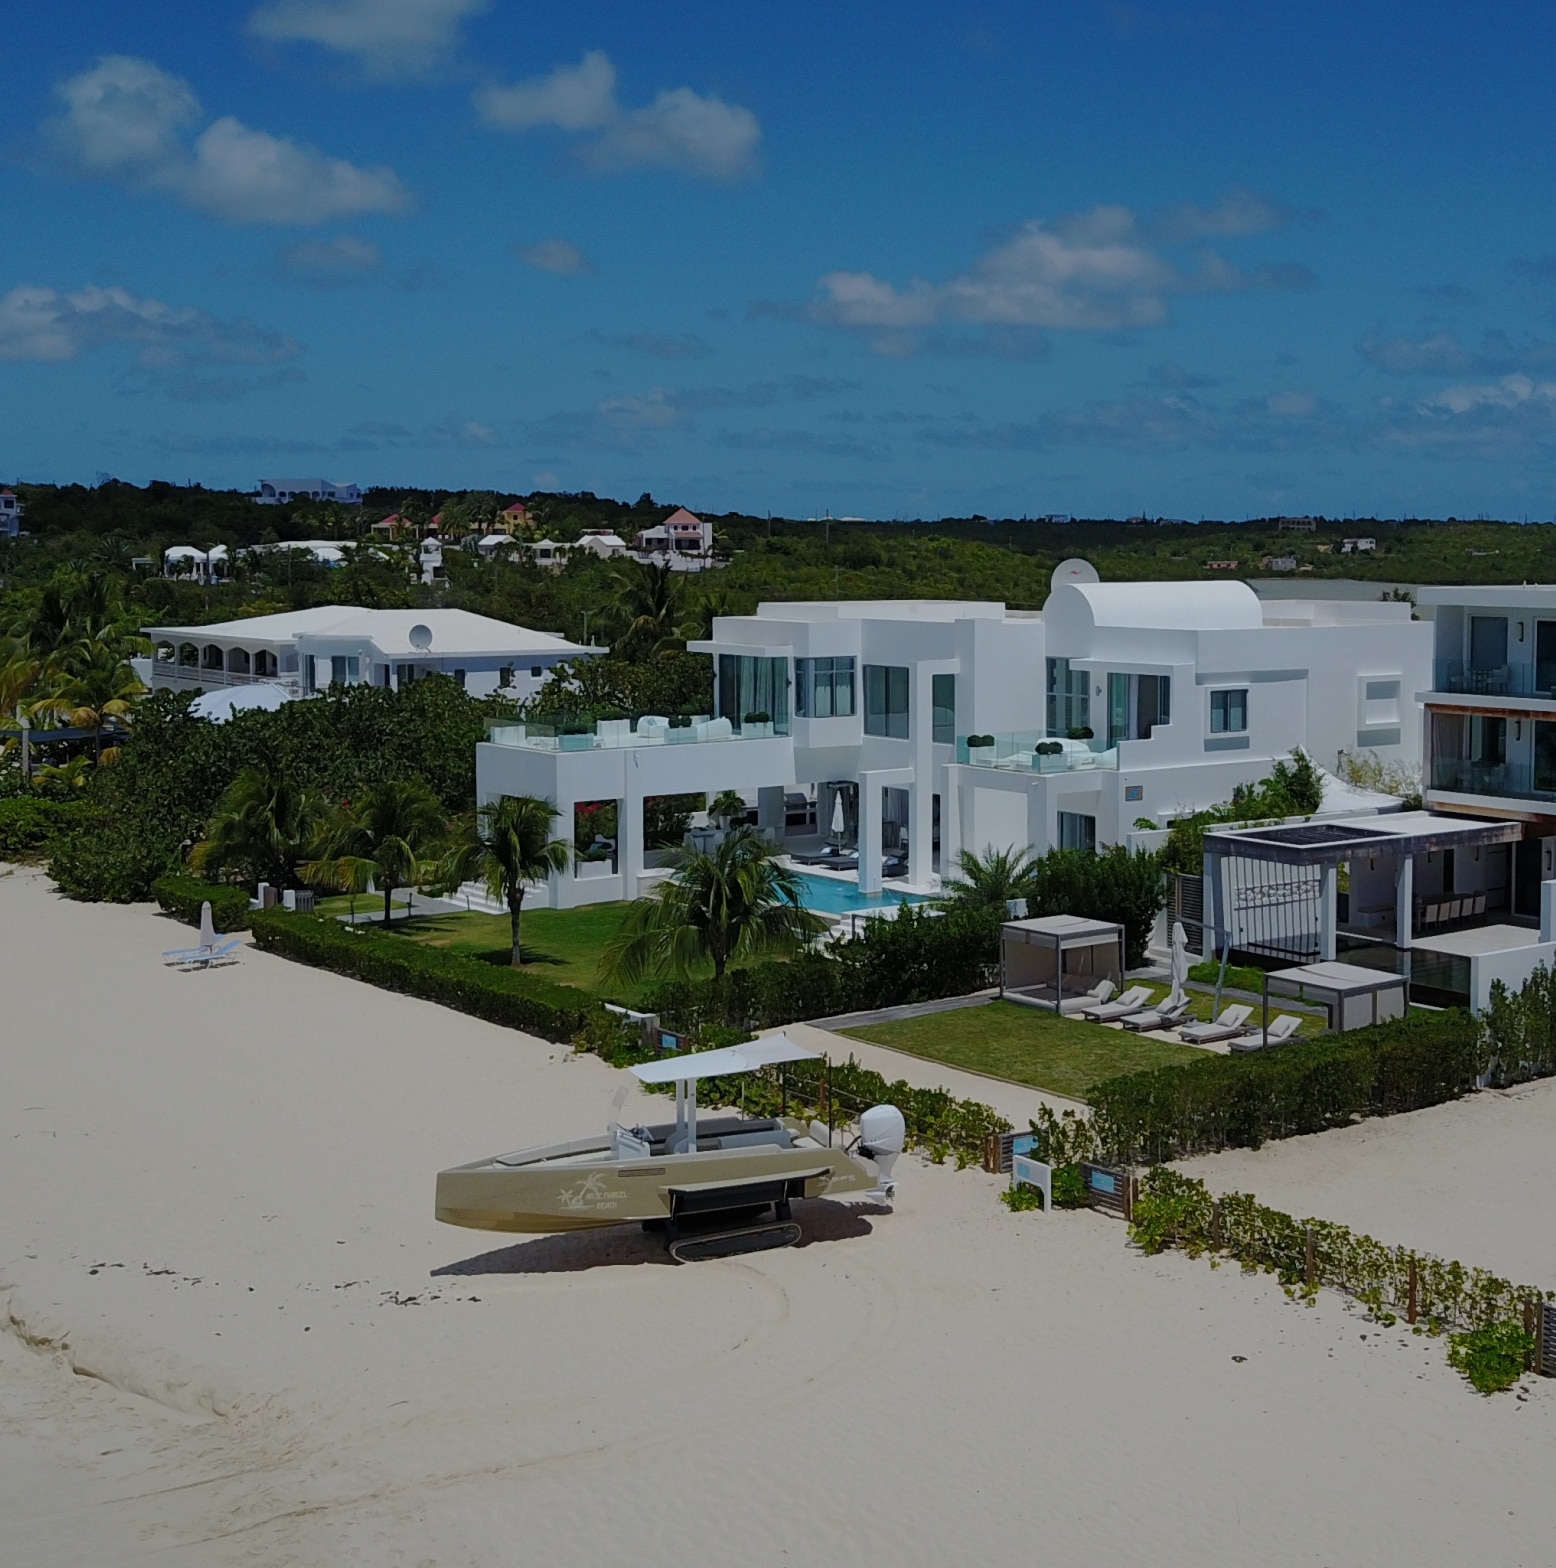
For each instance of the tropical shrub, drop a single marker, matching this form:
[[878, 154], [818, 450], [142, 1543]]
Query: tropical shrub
[[1518, 1030], [918, 956], [1115, 884], [1492, 1358], [1293, 789], [182, 897], [1245, 1100], [28, 824], [500, 994]]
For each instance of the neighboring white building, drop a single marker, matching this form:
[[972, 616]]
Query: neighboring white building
[[307, 651], [603, 543], [683, 540], [10, 514], [275, 492], [943, 725], [201, 566]]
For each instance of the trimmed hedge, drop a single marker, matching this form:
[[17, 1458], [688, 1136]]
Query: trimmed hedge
[[28, 824], [1244, 1100], [499, 995], [182, 897], [916, 957]]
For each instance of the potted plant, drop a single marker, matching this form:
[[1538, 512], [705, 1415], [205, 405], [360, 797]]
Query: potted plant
[[1048, 756], [577, 734], [680, 731], [980, 750], [757, 724]]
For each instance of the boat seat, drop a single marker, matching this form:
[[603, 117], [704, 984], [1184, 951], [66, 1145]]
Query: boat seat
[[720, 1132]]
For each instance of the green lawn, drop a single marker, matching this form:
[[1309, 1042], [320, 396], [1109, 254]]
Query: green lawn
[[563, 945], [1026, 1045]]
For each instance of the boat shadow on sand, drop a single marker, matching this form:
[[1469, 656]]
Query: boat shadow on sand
[[570, 1252]]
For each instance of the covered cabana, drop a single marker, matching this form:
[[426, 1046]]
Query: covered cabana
[[1058, 961], [1353, 996]]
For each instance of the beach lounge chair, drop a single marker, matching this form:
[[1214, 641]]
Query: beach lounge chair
[[1163, 1017], [1097, 995], [202, 957], [1282, 1028], [1226, 1027], [1135, 1000]]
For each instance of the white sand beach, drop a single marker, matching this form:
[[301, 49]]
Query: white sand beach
[[239, 1337]]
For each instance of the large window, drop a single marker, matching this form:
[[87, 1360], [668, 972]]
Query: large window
[[1136, 705], [886, 701], [750, 683], [1077, 830], [942, 701], [1544, 756], [1228, 712], [823, 688], [1069, 699]]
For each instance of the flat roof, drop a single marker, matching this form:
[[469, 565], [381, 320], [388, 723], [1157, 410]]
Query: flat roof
[[1066, 930], [1338, 979], [1319, 843], [1494, 596], [1480, 939]]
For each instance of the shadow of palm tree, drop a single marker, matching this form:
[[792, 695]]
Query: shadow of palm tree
[[617, 1246]]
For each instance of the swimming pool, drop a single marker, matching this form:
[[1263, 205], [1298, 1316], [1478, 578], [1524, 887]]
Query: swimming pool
[[831, 896]]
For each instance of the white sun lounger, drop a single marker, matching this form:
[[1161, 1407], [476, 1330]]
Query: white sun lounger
[[1229, 1024], [1162, 1017], [1282, 1028], [1095, 997], [202, 957], [1136, 999]]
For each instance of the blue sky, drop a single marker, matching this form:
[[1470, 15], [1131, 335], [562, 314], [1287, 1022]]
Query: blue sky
[[878, 260]]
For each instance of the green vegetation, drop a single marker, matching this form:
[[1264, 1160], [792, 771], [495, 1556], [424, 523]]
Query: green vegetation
[[1114, 884], [500, 994], [1293, 789], [1027, 1045], [1491, 1348], [388, 837], [505, 845], [29, 824], [1492, 1359], [735, 902], [182, 897], [1237, 977], [262, 828]]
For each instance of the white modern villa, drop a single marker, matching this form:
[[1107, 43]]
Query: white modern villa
[[878, 738], [307, 651]]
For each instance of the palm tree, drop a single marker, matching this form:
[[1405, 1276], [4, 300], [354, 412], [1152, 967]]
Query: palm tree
[[649, 608], [736, 902], [93, 684], [262, 826], [992, 879], [388, 837], [506, 845]]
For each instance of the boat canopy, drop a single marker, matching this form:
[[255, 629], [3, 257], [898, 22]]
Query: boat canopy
[[718, 1064]]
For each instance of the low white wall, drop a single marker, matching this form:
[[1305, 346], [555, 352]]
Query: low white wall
[[1512, 967]]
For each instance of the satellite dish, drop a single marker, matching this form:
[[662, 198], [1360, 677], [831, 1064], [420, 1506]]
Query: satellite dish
[[421, 637], [1074, 570]]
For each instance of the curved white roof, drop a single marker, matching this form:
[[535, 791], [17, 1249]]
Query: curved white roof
[[1173, 606]]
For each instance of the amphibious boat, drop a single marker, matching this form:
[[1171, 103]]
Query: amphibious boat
[[719, 1185]]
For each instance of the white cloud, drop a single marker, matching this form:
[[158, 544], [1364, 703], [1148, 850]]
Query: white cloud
[[1095, 271], [128, 119], [554, 255], [1509, 392], [578, 97], [388, 37], [336, 263], [47, 324], [683, 130], [1241, 211]]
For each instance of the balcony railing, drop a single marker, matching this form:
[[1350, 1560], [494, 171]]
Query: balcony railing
[[617, 734], [1512, 780], [1031, 751], [1505, 680], [164, 673]]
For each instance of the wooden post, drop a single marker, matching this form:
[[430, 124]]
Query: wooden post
[[1215, 1225], [1131, 1192], [1412, 1301], [1530, 1361], [1312, 1259]]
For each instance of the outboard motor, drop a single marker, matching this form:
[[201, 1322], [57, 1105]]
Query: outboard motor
[[883, 1135]]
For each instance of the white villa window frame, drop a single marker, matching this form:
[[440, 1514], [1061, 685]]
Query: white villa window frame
[[824, 687], [886, 701], [1229, 710]]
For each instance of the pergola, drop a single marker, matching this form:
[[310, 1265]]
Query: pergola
[[1053, 961], [1354, 996]]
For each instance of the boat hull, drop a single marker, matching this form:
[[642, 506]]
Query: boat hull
[[542, 1195]]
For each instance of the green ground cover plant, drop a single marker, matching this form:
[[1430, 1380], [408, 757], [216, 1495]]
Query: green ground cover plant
[[29, 824], [1026, 1045], [1490, 1346]]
